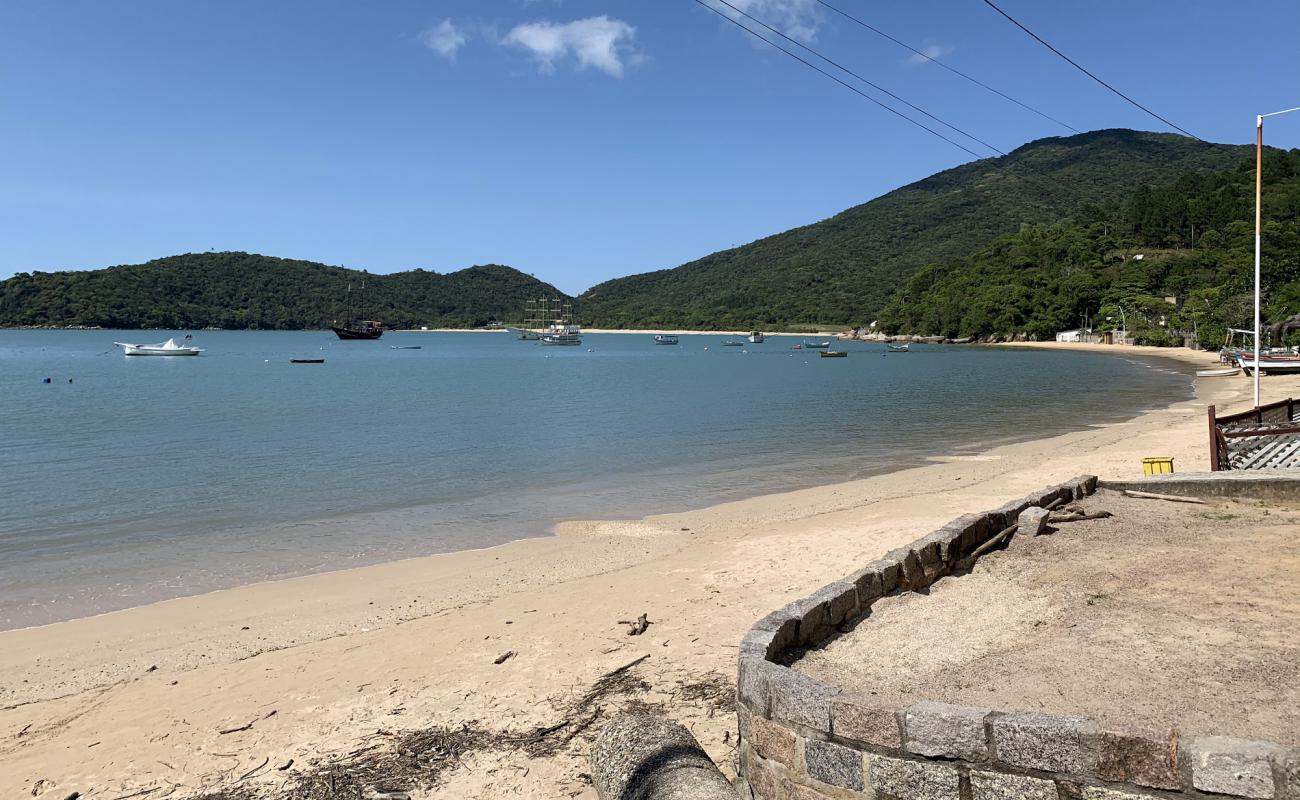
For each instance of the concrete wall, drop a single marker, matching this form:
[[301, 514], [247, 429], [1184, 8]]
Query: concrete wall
[[803, 740]]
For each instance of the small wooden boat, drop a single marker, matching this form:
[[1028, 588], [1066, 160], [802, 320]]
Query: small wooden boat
[[1267, 363], [897, 348], [833, 354], [306, 361], [797, 347], [665, 338], [407, 346], [1218, 373], [732, 343], [167, 348], [817, 345]]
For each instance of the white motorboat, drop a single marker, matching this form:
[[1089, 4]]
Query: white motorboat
[[756, 337], [665, 338], [167, 348]]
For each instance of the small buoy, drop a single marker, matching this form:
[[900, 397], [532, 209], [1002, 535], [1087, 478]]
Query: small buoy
[[266, 361], [47, 380], [706, 349], [589, 350]]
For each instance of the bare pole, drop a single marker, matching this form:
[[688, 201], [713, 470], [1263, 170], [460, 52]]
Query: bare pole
[[1259, 191]]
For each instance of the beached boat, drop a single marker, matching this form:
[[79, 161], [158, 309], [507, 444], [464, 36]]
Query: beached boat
[[1226, 372], [756, 337], [816, 345], [167, 348], [1268, 364], [833, 354], [665, 338], [897, 348]]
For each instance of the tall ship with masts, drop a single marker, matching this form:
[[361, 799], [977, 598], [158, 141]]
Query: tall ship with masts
[[549, 321], [358, 328]]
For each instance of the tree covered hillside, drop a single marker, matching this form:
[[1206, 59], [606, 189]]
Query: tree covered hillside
[[1196, 239], [844, 270], [244, 290]]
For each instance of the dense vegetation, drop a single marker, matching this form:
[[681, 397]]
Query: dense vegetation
[[1196, 272], [242, 290], [844, 270]]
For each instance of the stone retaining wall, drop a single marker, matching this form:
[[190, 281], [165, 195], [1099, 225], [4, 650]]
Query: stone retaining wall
[[804, 740]]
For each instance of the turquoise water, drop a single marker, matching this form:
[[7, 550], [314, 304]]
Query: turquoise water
[[147, 478]]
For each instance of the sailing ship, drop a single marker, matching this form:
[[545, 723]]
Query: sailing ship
[[358, 328], [549, 322]]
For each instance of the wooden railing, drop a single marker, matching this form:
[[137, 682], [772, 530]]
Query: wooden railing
[[1265, 437]]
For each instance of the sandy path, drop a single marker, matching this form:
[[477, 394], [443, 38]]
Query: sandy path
[[411, 644]]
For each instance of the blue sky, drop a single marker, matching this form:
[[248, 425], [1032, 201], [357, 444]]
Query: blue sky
[[575, 140]]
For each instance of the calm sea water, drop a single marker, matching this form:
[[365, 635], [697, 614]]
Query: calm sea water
[[147, 478]]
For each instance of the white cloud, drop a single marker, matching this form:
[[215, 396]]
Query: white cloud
[[600, 42], [931, 50], [798, 19], [445, 39]]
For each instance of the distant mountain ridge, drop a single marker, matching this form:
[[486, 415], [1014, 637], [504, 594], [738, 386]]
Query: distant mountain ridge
[[249, 291], [844, 270]]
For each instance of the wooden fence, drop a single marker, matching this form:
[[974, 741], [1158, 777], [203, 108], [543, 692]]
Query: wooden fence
[[1266, 437]]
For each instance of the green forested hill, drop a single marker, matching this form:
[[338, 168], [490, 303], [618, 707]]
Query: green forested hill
[[1195, 237], [843, 270], [244, 290]]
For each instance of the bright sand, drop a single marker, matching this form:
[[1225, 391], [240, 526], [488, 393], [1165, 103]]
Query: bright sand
[[411, 644]]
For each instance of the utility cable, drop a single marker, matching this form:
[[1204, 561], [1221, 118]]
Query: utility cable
[[848, 71], [951, 69], [838, 80], [1079, 67]]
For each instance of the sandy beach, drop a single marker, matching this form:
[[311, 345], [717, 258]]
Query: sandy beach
[[222, 689]]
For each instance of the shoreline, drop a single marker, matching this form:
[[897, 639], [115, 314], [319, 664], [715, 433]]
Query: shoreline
[[310, 646], [549, 528]]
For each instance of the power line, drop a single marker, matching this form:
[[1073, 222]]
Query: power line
[[1079, 67], [841, 82], [953, 70], [848, 71], [1007, 167]]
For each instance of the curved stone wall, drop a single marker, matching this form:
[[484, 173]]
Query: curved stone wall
[[805, 740]]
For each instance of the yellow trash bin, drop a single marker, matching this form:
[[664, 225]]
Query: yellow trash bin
[[1157, 466]]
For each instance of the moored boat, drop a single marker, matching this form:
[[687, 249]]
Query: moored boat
[[732, 343], [665, 338], [167, 348], [1267, 363], [897, 348], [834, 354], [306, 361], [756, 337], [816, 345], [359, 329]]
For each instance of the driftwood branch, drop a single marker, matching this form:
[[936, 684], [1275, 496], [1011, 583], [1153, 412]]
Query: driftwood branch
[[637, 626], [1173, 498]]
